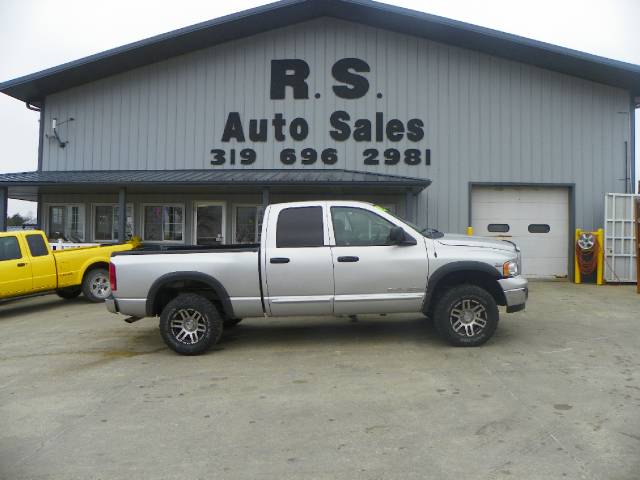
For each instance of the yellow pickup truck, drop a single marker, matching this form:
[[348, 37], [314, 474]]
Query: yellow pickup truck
[[28, 267]]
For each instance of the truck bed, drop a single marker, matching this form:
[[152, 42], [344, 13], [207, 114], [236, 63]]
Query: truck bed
[[236, 267], [162, 249]]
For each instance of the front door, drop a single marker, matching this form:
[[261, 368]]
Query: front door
[[43, 265], [372, 276], [209, 221], [297, 262], [15, 269]]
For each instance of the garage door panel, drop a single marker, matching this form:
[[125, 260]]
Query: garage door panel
[[544, 253]]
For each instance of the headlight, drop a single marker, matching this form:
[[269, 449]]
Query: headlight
[[510, 268]]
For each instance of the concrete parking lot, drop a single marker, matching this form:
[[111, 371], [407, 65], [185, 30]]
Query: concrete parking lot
[[556, 394]]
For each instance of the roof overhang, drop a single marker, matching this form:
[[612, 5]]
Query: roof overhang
[[27, 185], [35, 87]]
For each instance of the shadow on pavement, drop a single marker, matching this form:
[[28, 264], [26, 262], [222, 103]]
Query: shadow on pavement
[[10, 309], [328, 331]]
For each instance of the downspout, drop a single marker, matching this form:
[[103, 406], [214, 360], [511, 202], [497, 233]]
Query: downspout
[[635, 104], [40, 206]]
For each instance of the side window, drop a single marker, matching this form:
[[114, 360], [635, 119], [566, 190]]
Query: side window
[[9, 249], [37, 246], [300, 227], [358, 227]]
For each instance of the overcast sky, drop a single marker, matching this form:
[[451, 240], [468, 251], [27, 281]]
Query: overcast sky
[[37, 34]]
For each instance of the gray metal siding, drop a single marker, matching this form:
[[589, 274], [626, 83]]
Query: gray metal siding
[[486, 119]]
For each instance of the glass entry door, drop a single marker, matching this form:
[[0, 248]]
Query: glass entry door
[[209, 223]]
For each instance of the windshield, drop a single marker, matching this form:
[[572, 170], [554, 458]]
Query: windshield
[[425, 231]]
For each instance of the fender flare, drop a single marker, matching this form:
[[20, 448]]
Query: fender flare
[[466, 265], [210, 281]]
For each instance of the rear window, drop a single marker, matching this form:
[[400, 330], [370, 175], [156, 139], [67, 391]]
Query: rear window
[[300, 227], [37, 247], [9, 249]]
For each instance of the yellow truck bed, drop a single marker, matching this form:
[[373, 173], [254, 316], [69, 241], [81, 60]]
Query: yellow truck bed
[[28, 266]]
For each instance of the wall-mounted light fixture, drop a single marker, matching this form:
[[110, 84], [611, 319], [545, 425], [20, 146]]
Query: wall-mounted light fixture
[[54, 127]]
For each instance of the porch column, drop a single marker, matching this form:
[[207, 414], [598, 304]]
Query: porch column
[[40, 213], [265, 197], [410, 207], [4, 199], [122, 220]]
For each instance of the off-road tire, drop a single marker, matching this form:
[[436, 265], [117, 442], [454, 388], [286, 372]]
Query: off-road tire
[[69, 293], [231, 322], [91, 285], [449, 310], [195, 338]]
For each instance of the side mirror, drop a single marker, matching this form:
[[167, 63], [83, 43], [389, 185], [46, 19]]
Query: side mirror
[[397, 236]]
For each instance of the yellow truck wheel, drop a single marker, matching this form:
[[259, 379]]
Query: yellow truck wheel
[[95, 285]]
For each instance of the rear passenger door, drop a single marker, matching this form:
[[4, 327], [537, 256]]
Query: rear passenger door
[[15, 270], [43, 265], [297, 264]]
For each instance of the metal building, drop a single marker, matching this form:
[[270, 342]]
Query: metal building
[[448, 124]]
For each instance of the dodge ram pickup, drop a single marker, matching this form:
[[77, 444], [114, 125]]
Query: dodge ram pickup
[[29, 267], [322, 258]]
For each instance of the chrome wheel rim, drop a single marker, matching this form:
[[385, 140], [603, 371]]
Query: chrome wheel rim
[[468, 317], [188, 325], [100, 286]]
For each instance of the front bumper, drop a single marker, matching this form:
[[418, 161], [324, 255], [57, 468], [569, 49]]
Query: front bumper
[[516, 292]]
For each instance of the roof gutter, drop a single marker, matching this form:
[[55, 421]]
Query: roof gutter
[[31, 106]]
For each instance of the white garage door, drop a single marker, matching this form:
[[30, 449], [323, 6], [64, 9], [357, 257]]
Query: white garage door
[[535, 218]]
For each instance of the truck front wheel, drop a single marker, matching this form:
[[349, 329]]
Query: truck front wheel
[[466, 316], [190, 324]]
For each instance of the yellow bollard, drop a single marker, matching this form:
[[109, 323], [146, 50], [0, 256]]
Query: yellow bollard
[[576, 268], [470, 231], [600, 271]]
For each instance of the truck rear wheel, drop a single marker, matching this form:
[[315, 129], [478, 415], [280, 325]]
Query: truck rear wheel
[[95, 285], [69, 293], [466, 316], [190, 324]]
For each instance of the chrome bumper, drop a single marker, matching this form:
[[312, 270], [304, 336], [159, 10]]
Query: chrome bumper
[[516, 292], [111, 304]]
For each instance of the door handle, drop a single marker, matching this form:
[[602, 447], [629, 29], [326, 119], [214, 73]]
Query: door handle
[[279, 260], [22, 264], [348, 259]]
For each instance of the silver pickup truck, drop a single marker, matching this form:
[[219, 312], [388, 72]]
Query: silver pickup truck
[[322, 258]]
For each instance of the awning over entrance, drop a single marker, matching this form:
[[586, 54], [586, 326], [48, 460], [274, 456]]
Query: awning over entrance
[[328, 183], [27, 185]]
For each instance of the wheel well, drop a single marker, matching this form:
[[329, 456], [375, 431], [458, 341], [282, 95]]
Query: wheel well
[[473, 277], [172, 289], [93, 266]]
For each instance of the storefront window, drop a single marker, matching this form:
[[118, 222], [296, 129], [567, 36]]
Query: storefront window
[[163, 223], [106, 221], [66, 222], [248, 223]]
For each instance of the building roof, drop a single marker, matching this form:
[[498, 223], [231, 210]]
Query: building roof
[[35, 87], [224, 177]]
